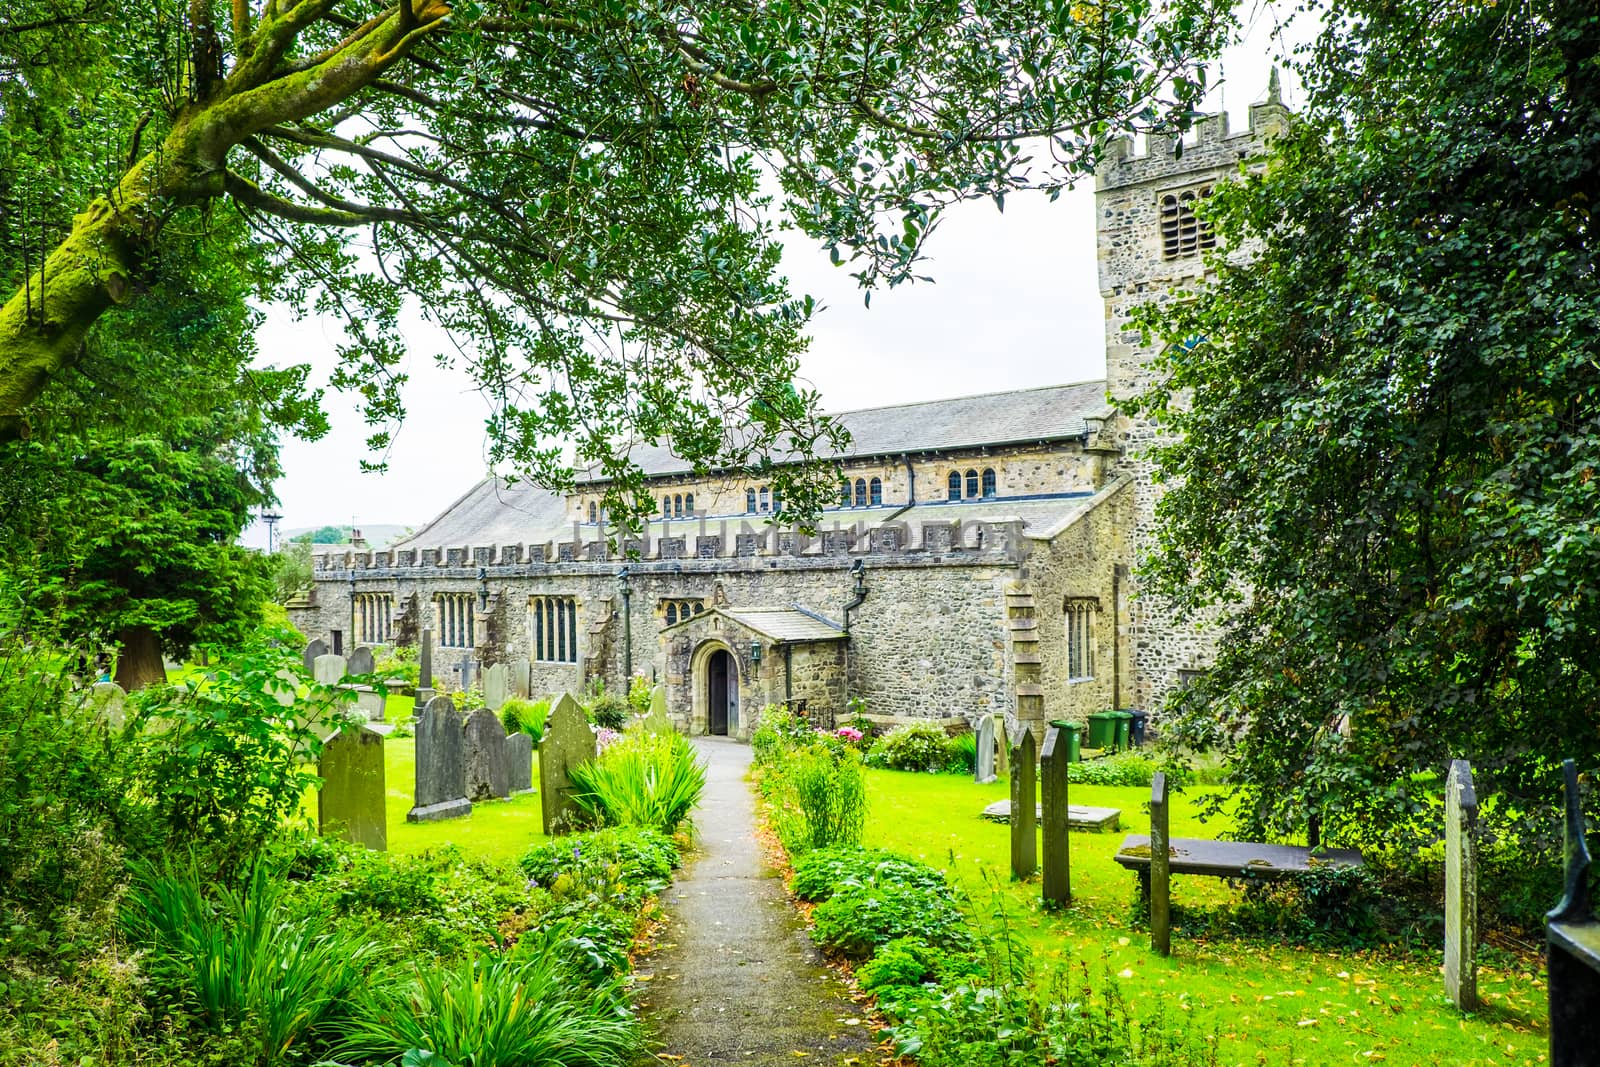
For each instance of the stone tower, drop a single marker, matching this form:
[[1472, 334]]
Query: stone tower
[[1150, 246]]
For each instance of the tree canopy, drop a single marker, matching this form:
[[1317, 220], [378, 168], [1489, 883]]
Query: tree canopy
[[583, 194], [1387, 420]]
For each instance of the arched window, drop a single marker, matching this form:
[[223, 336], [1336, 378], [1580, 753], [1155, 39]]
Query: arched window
[[677, 506], [844, 493], [666, 507], [766, 499], [988, 481], [777, 502], [672, 612], [972, 483], [861, 492], [877, 491], [955, 486], [592, 511], [688, 503], [750, 501]]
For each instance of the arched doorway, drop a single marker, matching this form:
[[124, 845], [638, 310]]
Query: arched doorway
[[722, 693]]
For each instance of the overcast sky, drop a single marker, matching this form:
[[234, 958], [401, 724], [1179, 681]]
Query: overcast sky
[[1015, 303]]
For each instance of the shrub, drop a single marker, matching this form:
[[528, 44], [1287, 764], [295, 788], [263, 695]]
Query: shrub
[[498, 1011], [639, 690], [525, 715], [914, 746], [245, 961], [777, 730], [904, 961], [817, 874], [857, 919], [820, 796], [963, 753], [640, 857], [398, 661], [1127, 769], [610, 711], [641, 779]]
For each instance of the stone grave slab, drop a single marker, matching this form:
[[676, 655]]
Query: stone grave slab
[[567, 742], [495, 684], [317, 647], [110, 704], [1079, 816], [370, 701], [488, 774], [329, 669], [517, 676], [519, 762], [983, 768], [656, 720], [350, 804], [1054, 815], [285, 687], [1024, 806], [361, 661], [441, 784], [1461, 888]]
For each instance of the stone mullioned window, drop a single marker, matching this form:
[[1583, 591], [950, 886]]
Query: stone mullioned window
[[374, 618], [553, 621], [457, 621], [679, 610], [1080, 613]]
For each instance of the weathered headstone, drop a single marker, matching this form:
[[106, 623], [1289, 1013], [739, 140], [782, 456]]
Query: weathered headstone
[[1002, 747], [567, 742], [329, 669], [370, 701], [519, 761], [1024, 803], [983, 766], [495, 681], [517, 671], [285, 687], [468, 671], [424, 669], [656, 720], [441, 788], [1461, 888], [1572, 947], [317, 647], [488, 775], [110, 704], [1160, 867], [1057, 818], [361, 661], [350, 804]]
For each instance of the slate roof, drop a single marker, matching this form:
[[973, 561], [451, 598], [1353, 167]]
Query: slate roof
[[1018, 416], [785, 624], [493, 513]]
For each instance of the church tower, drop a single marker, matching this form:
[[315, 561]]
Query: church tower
[[1150, 247]]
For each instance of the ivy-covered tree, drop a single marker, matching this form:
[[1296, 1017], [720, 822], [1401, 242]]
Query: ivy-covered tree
[[1388, 426], [582, 193]]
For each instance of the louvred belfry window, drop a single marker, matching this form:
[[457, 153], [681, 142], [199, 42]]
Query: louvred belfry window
[[1183, 233]]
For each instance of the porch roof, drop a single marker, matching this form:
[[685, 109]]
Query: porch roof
[[786, 625]]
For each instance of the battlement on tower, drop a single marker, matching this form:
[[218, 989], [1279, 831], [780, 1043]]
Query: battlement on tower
[[1213, 147]]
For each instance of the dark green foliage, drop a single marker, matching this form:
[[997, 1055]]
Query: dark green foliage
[[894, 900], [819, 873], [526, 715], [777, 730], [904, 961], [915, 746], [642, 779], [1127, 769], [963, 753], [643, 859], [610, 711], [1384, 474]]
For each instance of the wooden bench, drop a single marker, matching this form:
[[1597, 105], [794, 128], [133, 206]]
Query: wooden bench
[[1231, 859]]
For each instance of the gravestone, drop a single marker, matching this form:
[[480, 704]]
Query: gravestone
[[1461, 888], [425, 668], [488, 775], [285, 687], [329, 669], [495, 681], [517, 672], [983, 766], [468, 671], [519, 762], [441, 787], [1160, 866], [361, 661], [317, 647], [370, 701], [1572, 947], [1002, 748], [110, 703], [1057, 817], [656, 720], [567, 742], [1024, 803], [350, 804]]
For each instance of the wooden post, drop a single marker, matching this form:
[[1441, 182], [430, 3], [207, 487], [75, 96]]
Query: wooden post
[[1024, 804], [1053, 800], [1160, 868]]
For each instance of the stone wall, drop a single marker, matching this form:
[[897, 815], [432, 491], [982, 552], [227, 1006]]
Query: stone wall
[[1133, 272]]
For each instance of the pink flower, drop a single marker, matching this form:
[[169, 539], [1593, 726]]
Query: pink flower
[[848, 734], [604, 738]]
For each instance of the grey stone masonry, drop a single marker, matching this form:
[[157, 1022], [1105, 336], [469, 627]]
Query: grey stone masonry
[[1160, 866], [488, 773], [1461, 888], [1024, 806], [983, 769], [350, 804], [441, 789], [519, 762], [1057, 817], [567, 742]]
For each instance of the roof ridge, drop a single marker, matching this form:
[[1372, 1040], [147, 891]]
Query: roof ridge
[[966, 396]]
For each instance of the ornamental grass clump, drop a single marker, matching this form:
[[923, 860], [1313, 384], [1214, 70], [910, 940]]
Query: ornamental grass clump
[[641, 779]]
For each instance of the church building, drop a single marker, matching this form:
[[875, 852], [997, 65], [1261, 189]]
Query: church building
[[982, 557]]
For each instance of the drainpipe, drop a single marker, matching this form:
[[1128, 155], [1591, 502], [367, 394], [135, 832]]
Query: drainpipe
[[1116, 637], [911, 481], [858, 570], [788, 677]]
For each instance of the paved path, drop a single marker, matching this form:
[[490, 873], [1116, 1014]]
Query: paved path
[[736, 979]]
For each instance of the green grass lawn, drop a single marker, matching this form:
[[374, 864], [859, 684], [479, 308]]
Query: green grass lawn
[[1269, 1003]]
